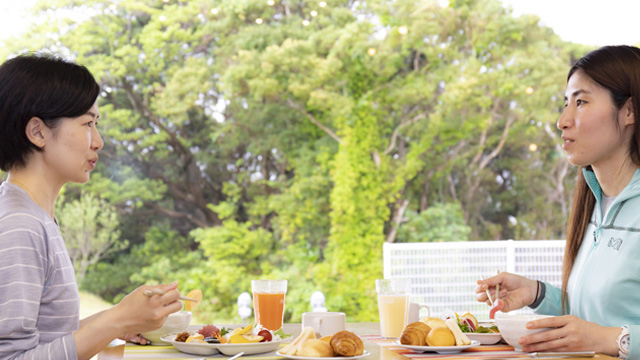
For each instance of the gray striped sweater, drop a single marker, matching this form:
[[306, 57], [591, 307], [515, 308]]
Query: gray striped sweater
[[39, 302]]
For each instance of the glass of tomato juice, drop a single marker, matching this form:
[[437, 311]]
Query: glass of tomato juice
[[268, 302]]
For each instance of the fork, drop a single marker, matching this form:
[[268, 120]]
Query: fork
[[231, 358]]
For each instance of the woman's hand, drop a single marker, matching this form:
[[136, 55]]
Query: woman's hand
[[516, 291], [570, 333], [138, 313], [135, 338], [135, 314]]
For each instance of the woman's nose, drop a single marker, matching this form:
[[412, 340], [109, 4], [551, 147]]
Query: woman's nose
[[565, 119], [96, 140]]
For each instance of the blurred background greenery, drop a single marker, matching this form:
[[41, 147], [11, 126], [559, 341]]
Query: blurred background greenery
[[290, 139]]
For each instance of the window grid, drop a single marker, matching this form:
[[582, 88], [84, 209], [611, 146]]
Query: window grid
[[444, 274]]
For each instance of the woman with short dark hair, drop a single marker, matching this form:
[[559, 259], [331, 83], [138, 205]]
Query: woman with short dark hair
[[601, 271], [48, 137]]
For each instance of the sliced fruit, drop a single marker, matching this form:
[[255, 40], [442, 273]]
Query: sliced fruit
[[236, 336], [471, 318], [253, 338], [195, 339], [195, 294]]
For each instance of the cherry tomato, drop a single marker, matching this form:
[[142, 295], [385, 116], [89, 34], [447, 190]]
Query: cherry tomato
[[266, 335]]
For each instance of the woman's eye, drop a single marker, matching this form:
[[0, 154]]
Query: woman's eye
[[579, 102], [90, 123]]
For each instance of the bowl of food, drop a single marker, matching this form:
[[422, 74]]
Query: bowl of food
[[175, 323], [514, 326]]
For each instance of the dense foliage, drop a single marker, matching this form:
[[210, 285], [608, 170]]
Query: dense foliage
[[290, 139]]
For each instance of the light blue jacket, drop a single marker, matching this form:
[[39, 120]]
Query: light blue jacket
[[604, 286]]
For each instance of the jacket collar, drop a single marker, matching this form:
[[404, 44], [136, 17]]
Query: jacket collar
[[631, 190]]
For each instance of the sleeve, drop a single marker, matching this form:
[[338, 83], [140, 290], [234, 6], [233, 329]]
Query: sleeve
[[552, 302], [25, 266], [634, 341]]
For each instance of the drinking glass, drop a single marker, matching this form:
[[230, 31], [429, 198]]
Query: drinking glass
[[268, 302], [393, 304]]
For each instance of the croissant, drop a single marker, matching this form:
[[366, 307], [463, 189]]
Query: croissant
[[346, 343], [415, 334]]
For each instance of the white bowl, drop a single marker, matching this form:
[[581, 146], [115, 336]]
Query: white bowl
[[513, 327], [175, 323], [485, 338]]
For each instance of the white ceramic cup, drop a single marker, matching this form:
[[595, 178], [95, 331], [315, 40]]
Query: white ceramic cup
[[324, 323], [414, 311]]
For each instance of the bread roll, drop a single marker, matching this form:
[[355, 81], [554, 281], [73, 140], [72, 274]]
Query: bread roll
[[434, 322], [440, 337], [346, 343], [315, 348], [415, 334]]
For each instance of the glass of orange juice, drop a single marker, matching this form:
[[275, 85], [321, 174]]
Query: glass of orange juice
[[268, 302], [393, 303]]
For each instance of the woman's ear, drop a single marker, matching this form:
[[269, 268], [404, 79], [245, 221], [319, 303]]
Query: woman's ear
[[36, 131], [628, 113]]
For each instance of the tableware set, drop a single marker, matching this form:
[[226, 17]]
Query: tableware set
[[395, 313], [226, 349]]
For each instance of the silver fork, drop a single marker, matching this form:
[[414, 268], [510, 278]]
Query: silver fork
[[231, 358]]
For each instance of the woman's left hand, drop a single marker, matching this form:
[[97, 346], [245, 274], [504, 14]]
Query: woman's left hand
[[570, 333], [135, 338]]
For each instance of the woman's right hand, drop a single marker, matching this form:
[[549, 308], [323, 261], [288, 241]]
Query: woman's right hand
[[138, 313], [516, 291]]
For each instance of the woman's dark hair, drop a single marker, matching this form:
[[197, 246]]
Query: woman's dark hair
[[617, 69], [39, 86]]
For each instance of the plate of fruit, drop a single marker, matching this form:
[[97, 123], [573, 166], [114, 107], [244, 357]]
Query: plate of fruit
[[209, 340]]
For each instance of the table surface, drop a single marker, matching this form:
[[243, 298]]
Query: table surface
[[115, 351]]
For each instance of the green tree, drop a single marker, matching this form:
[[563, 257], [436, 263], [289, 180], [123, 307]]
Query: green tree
[[438, 223], [89, 227], [292, 140]]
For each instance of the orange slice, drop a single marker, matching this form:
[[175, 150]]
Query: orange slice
[[195, 294]]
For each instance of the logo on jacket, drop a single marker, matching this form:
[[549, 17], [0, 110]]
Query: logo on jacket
[[615, 243]]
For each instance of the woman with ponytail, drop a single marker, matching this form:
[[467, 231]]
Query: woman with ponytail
[[598, 306]]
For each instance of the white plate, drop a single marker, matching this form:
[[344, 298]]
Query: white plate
[[485, 338], [439, 349], [227, 349], [251, 348], [292, 357], [191, 348]]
